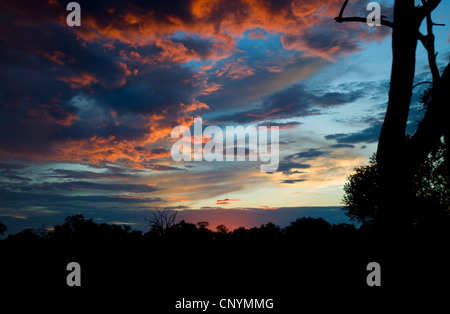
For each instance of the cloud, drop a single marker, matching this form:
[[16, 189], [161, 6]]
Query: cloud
[[84, 185], [235, 70], [281, 125], [82, 101], [294, 101], [209, 180], [18, 199], [4, 165], [148, 23], [310, 154], [76, 174], [286, 167], [342, 146], [107, 94], [13, 175], [291, 163], [134, 71], [226, 201], [290, 181], [367, 135], [245, 92], [317, 168]]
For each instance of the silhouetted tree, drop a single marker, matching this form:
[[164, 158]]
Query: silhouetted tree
[[222, 229], [398, 159], [269, 231], [432, 181], [162, 221], [43, 232], [202, 224], [307, 225], [26, 236], [343, 228], [2, 228], [431, 187], [74, 226], [361, 193]]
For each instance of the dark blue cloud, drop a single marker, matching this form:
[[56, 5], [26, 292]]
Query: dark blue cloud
[[342, 146], [20, 199], [310, 154], [298, 161], [4, 165], [78, 174], [286, 167], [289, 181], [367, 135], [294, 101], [13, 175], [84, 185]]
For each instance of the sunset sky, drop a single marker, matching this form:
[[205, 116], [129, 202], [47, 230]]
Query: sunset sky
[[86, 112]]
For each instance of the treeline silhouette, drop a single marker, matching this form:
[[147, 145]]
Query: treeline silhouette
[[78, 229], [179, 260]]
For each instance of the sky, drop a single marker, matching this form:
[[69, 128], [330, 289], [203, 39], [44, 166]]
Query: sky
[[86, 113]]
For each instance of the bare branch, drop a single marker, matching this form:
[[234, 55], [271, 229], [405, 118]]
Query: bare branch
[[426, 82], [162, 220], [362, 20], [428, 43], [428, 7], [342, 9], [341, 19]]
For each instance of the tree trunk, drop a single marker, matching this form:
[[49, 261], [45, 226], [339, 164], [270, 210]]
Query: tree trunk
[[392, 155]]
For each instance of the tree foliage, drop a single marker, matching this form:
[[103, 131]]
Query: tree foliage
[[361, 193], [431, 186]]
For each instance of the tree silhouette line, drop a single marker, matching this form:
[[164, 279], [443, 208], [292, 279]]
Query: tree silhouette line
[[181, 256], [117, 256], [163, 226]]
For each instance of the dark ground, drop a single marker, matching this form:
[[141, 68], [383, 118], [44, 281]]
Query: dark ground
[[323, 268]]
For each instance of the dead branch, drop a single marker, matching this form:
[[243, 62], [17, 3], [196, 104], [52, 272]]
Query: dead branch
[[162, 220], [427, 8], [341, 19], [428, 42]]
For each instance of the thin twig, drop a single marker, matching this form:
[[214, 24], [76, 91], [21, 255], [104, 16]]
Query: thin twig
[[341, 19], [426, 82]]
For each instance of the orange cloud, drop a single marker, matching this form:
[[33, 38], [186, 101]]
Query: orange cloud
[[86, 80], [179, 198], [235, 70], [137, 152], [258, 34], [226, 201], [53, 112], [79, 81], [220, 21], [194, 106], [56, 56], [268, 207], [209, 88], [99, 150]]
